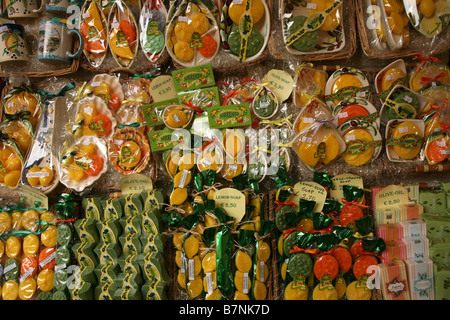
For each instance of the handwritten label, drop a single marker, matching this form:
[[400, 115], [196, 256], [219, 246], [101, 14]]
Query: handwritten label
[[233, 201], [344, 179], [135, 183], [391, 196], [311, 191], [163, 88], [34, 197], [280, 82]]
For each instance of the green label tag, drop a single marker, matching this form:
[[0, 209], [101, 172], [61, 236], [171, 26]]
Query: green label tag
[[164, 139], [193, 78], [236, 115]]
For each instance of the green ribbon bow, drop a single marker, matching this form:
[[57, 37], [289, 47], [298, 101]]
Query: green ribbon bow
[[323, 179], [144, 76], [61, 93], [352, 193]]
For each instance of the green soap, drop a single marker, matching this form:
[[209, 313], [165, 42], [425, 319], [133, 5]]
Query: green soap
[[93, 208], [125, 279], [60, 279], [108, 253], [153, 292], [286, 218], [152, 242], [112, 209], [64, 234], [128, 293], [152, 199], [437, 226], [153, 267], [131, 225], [300, 263], [45, 295], [440, 254], [11, 269], [151, 221], [256, 171], [86, 274], [82, 291], [308, 41], [84, 254], [107, 273], [254, 45], [132, 204], [109, 230], [433, 202], [86, 230], [408, 106], [264, 104], [441, 281], [154, 43], [289, 242], [130, 264], [60, 295], [131, 244], [105, 291], [63, 256], [445, 186]]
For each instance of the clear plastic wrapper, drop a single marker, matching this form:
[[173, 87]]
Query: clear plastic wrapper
[[245, 41], [11, 162], [106, 87], [23, 100], [129, 150], [394, 24], [309, 83], [305, 32], [152, 24], [404, 140], [428, 17], [390, 76], [428, 69], [192, 35], [94, 29], [123, 34], [316, 109]]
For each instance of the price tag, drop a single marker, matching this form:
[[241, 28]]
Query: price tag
[[135, 183], [233, 201], [344, 179], [311, 191], [390, 196], [34, 197], [280, 82]]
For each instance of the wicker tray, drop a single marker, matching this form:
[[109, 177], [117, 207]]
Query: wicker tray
[[419, 43], [278, 51]]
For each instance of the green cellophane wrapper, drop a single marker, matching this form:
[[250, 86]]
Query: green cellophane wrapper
[[60, 279], [63, 256], [12, 266], [224, 254], [46, 295], [60, 295], [323, 179], [441, 280]]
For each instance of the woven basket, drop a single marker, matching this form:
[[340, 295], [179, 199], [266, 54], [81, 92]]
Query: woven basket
[[174, 291], [278, 50], [419, 43]]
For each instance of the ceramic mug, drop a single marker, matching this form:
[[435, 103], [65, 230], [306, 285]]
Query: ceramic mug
[[13, 45], [56, 41], [55, 5], [21, 8]]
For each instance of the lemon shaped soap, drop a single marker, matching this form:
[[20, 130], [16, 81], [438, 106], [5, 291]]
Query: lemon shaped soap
[[357, 140], [293, 291], [390, 76], [236, 10], [332, 20], [355, 292]]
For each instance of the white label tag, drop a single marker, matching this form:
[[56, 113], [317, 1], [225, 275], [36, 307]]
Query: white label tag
[[233, 167], [206, 162], [245, 283], [390, 77], [88, 110], [115, 25], [408, 99], [209, 282], [183, 263], [350, 137], [342, 114], [308, 120], [9, 268], [48, 259], [37, 174], [95, 84], [306, 139], [403, 129], [176, 118], [361, 94], [86, 15], [118, 142], [445, 151], [183, 178], [60, 266], [441, 143], [182, 19], [311, 6], [191, 275], [261, 271], [26, 274]]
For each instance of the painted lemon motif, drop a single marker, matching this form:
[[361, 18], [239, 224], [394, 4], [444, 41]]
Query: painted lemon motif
[[130, 154], [235, 11]]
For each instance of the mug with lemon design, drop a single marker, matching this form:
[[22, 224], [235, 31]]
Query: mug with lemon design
[[13, 45]]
